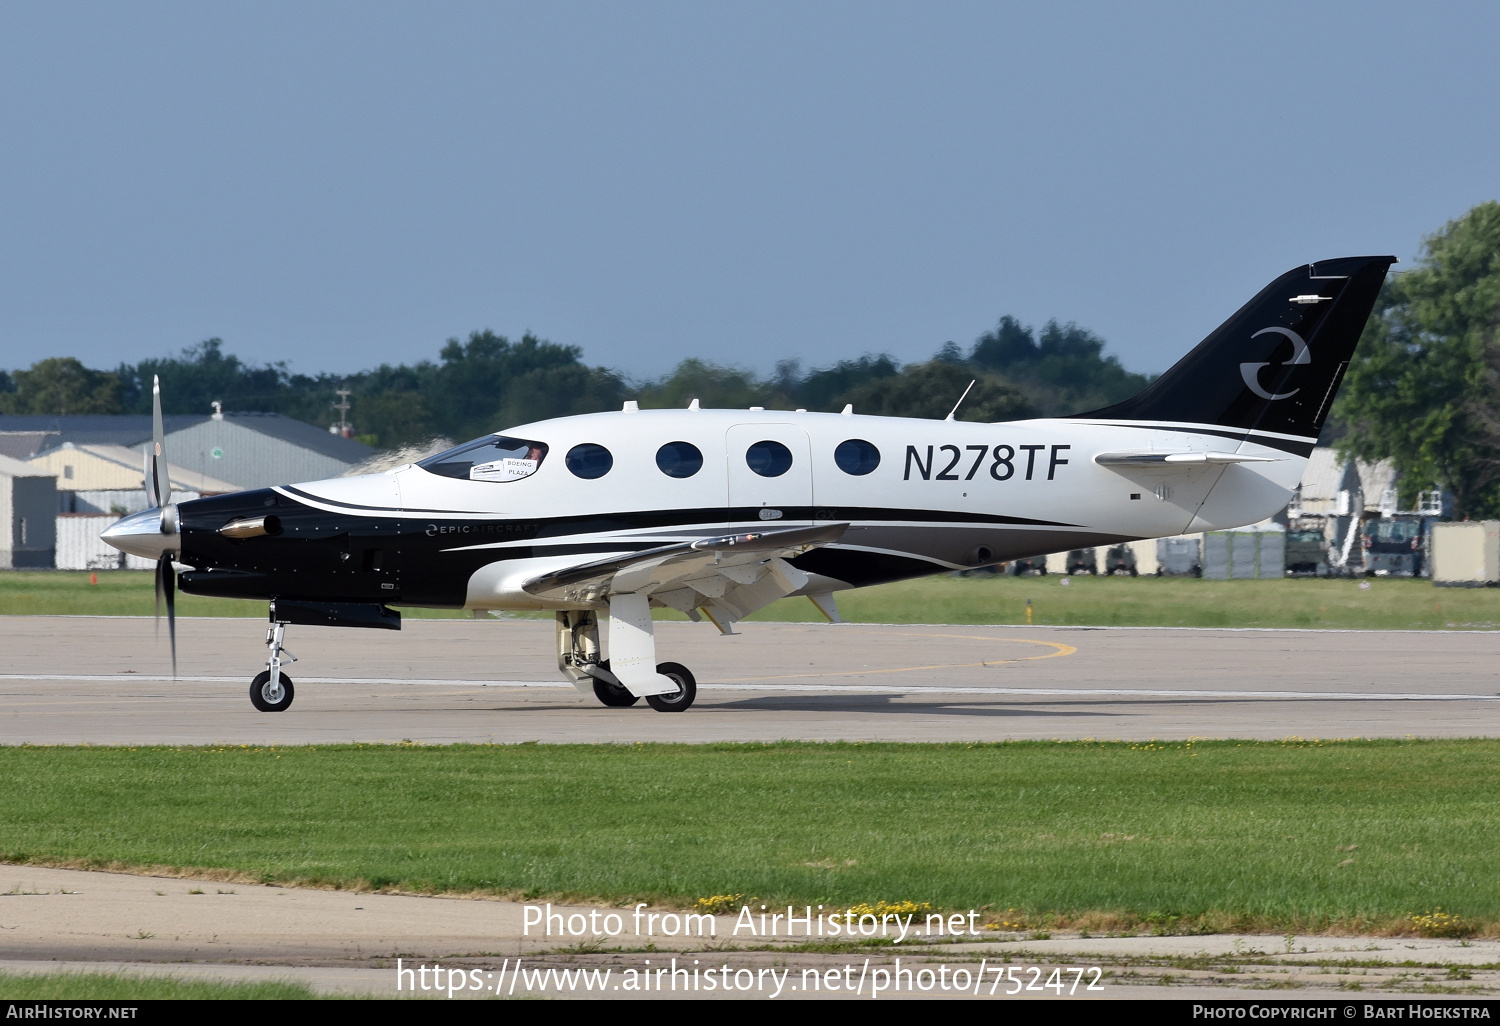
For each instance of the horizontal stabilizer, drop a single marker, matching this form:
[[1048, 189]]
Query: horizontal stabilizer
[[1177, 459]]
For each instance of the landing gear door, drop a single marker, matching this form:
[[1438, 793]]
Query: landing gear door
[[375, 549], [770, 473]]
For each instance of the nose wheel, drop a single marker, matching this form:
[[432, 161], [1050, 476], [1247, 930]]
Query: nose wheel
[[268, 697]]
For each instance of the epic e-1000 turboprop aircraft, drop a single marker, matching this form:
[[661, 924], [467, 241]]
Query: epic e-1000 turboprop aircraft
[[718, 513]]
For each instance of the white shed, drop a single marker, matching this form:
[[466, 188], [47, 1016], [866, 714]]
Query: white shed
[[28, 514]]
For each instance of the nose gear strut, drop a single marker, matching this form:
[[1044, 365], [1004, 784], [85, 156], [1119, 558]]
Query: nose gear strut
[[271, 690]]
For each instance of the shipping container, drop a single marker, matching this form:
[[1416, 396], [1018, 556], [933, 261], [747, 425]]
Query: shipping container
[[1466, 554], [1245, 553]]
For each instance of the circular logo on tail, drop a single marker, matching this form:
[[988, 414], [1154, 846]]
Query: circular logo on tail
[[1251, 371]]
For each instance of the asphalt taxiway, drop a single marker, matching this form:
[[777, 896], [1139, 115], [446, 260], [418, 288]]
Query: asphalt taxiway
[[108, 680]]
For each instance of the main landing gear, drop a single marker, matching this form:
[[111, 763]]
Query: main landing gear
[[631, 673], [265, 695], [617, 696]]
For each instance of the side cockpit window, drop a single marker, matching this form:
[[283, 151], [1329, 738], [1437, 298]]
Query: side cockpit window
[[493, 458]]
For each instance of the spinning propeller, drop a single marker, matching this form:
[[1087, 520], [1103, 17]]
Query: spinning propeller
[[159, 492], [153, 533]]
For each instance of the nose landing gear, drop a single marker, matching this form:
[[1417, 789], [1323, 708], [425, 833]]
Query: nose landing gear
[[271, 690]]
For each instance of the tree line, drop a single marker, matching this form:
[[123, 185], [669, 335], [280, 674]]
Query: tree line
[[488, 382]]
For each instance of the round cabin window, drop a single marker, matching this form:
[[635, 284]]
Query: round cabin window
[[857, 457], [679, 459], [589, 461], [769, 459]]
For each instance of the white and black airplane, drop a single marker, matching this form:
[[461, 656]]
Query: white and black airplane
[[718, 513]]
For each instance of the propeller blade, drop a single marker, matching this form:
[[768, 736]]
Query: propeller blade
[[160, 477], [166, 591], [171, 581], [150, 472]]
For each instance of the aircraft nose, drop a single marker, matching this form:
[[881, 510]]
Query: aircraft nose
[[148, 534]]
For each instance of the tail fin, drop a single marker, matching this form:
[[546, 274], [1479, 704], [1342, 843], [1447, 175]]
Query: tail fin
[[1277, 363]]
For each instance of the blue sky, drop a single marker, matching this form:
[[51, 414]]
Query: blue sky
[[338, 185]]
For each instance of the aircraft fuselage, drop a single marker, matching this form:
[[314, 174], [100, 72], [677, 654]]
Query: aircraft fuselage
[[940, 495]]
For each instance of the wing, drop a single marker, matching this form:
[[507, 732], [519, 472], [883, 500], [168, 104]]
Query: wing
[[725, 578]]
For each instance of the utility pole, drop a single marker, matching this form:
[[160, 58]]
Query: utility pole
[[343, 430]]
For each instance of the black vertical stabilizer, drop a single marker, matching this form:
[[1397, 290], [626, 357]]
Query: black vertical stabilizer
[[1276, 364]]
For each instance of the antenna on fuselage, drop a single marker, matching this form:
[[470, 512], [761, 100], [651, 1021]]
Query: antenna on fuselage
[[960, 400]]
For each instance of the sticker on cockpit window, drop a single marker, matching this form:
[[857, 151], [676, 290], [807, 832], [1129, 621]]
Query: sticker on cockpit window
[[508, 469]]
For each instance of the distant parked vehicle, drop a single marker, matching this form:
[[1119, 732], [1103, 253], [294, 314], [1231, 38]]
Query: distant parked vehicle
[[1120, 559], [1178, 557], [1036, 565], [1393, 546], [1306, 553], [1082, 561]]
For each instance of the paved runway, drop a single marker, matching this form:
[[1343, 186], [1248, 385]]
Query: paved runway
[[107, 680]]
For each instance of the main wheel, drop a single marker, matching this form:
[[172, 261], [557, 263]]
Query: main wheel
[[679, 700], [270, 699], [612, 695]]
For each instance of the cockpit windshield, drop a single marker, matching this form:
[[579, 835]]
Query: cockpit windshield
[[494, 458]]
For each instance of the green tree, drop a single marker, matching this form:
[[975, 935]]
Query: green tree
[[827, 388], [715, 388], [391, 418], [62, 385], [202, 375], [824, 389], [931, 389], [484, 384], [490, 383], [1062, 371], [1422, 387]]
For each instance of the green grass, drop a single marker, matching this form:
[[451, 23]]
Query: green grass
[[1388, 604], [1271, 836], [124, 593], [1086, 601], [82, 986]]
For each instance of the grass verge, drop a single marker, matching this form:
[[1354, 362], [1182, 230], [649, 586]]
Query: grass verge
[[126, 593], [85, 986], [1387, 604], [1178, 837]]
